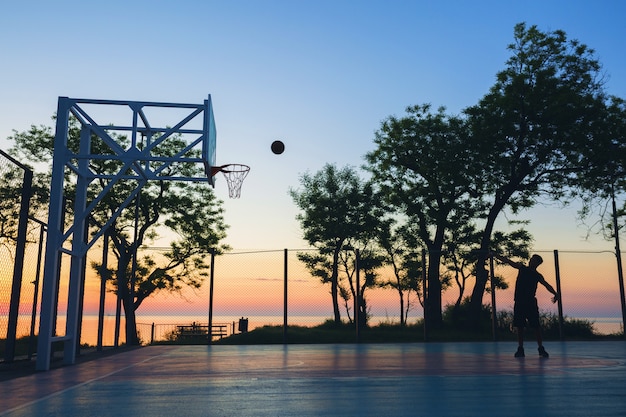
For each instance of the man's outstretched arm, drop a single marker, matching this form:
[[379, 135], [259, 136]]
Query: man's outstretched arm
[[550, 288], [507, 261]]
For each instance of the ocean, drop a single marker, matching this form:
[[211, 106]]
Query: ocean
[[159, 327], [164, 324]]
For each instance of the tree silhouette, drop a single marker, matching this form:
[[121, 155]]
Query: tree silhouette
[[533, 127], [339, 213], [425, 170]]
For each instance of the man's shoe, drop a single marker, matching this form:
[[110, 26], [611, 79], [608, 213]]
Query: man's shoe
[[543, 353], [520, 352]]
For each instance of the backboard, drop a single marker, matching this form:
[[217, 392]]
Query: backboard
[[209, 146]]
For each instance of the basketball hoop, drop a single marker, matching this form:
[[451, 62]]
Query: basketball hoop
[[235, 174]]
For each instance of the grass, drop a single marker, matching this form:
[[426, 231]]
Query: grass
[[23, 347], [451, 331], [454, 329], [329, 332], [324, 333]]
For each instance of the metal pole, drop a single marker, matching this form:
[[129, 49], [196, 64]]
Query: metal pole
[[78, 259], [58, 274], [103, 282], [285, 298], [357, 301], [18, 266], [33, 317], [424, 293], [118, 318], [133, 277], [212, 276], [81, 300], [494, 326], [618, 255], [557, 273]]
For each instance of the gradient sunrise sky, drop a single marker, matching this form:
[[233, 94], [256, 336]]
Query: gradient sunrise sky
[[320, 75]]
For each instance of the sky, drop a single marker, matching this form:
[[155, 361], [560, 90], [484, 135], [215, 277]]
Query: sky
[[319, 75]]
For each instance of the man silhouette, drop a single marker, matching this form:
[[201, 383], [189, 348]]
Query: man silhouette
[[525, 308]]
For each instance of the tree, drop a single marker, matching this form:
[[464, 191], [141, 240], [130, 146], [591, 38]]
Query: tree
[[533, 127], [462, 253], [339, 214], [398, 242], [11, 187], [423, 167], [459, 257], [604, 176], [189, 212], [192, 213], [351, 289]]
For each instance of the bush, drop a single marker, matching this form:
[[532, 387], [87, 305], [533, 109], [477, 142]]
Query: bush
[[457, 317], [455, 328], [572, 328]]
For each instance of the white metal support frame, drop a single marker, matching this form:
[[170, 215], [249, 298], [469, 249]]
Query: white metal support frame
[[140, 163]]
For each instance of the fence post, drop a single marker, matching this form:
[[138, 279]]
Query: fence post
[[424, 293], [212, 278], [285, 298], [81, 295], [618, 256], [18, 266], [152, 334], [557, 273], [118, 313], [494, 323], [33, 315], [104, 274], [357, 301]]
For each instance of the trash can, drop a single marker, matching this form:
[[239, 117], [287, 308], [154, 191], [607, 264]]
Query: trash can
[[243, 325]]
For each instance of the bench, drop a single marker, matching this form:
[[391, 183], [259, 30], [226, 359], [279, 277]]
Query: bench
[[200, 332], [219, 330]]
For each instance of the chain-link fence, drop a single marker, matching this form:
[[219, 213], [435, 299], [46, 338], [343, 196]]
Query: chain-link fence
[[263, 287], [20, 238], [251, 285], [255, 287], [589, 287]]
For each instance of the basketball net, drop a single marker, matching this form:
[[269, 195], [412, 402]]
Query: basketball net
[[234, 174]]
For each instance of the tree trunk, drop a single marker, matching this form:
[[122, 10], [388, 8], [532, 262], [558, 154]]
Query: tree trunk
[[123, 288], [482, 274], [433, 306], [402, 318], [362, 311], [334, 288], [132, 338]]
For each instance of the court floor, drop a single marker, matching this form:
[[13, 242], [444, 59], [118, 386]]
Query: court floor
[[417, 379]]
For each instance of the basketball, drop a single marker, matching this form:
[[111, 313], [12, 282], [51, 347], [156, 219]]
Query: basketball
[[278, 147]]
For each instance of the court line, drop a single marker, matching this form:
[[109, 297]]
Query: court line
[[82, 384]]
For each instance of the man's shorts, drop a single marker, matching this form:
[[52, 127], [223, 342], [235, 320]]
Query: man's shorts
[[524, 312]]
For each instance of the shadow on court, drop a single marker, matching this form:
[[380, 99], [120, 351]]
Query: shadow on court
[[417, 379]]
